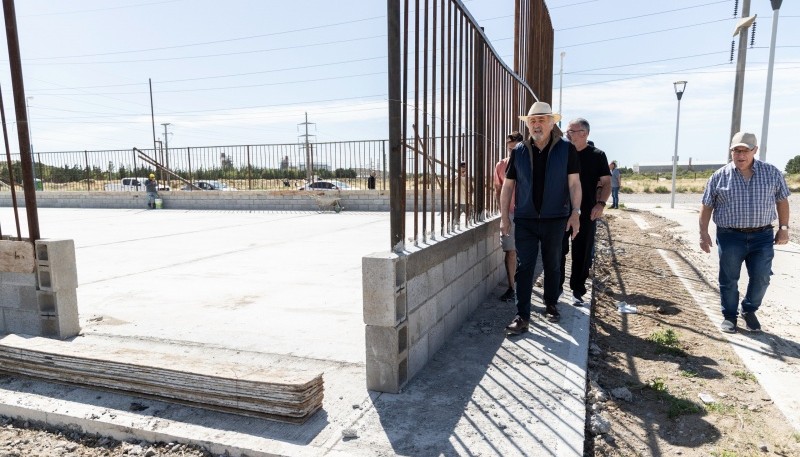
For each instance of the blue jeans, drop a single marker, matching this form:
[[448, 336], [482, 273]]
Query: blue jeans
[[756, 250], [615, 197], [529, 235]]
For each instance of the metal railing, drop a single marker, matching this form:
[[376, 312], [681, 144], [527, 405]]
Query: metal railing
[[244, 167], [452, 95]]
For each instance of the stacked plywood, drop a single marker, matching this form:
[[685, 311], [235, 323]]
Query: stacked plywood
[[274, 393]]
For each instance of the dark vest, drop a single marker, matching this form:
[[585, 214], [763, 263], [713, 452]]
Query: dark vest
[[556, 200]]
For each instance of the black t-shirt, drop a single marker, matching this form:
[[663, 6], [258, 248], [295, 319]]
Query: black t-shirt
[[594, 164], [539, 158]]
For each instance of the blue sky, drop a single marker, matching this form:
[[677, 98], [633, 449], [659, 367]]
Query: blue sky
[[246, 72]]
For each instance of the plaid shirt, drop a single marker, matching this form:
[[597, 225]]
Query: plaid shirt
[[745, 204]]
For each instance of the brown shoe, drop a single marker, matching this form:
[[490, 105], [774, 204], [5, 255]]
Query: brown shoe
[[551, 313], [517, 326]]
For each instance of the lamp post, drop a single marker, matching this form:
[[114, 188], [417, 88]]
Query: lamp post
[[560, 85], [776, 6], [680, 87]]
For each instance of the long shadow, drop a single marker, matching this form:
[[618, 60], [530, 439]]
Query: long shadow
[[629, 346], [486, 394]]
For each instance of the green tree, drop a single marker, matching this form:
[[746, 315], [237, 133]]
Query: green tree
[[793, 165]]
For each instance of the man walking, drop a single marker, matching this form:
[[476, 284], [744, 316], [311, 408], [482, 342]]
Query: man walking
[[543, 177], [616, 183], [507, 241], [744, 197], [594, 169]]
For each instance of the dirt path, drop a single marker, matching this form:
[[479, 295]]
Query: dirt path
[[680, 387]]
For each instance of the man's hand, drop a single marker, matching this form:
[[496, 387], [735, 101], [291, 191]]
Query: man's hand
[[574, 223], [782, 237], [705, 242], [597, 212], [505, 226]]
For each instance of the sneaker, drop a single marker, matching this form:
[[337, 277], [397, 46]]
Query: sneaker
[[578, 301], [517, 326], [751, 322], [508, 295], [551, 313], [728, 326]]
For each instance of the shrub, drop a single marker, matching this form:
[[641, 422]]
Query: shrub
[[625, 190], [647, 190], [661, 190]]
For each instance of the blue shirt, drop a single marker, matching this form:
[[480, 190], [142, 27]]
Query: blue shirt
[[738, 203]]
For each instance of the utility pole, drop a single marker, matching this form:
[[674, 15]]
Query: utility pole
[[165, 159], [309, 155], [738, 88], [762, 151]]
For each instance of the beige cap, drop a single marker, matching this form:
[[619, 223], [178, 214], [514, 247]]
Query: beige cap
[[745, 139]]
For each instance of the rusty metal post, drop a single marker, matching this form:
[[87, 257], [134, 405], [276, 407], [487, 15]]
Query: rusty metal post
[[88, 175], [397, 185], [23, 133], [10, 167], [480, 133], [249, 170]]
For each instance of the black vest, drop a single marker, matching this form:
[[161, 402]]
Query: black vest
[[556, 200]]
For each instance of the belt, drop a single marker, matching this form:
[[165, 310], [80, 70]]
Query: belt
[[751, 230]]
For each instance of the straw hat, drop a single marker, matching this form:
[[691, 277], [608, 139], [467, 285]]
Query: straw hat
[[541, 109]]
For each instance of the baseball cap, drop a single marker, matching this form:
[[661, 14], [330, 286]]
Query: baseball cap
[[745, 139]]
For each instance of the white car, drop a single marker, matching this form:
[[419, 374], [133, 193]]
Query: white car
[[209, 185], [328, 185]]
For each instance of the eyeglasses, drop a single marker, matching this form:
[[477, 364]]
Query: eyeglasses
[[572, 132]]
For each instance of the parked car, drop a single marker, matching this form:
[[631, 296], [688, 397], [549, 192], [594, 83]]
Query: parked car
[[209, 185], [130, 185], [328, 185]]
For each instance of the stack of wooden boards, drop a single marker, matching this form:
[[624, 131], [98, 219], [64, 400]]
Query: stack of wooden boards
[[275, 392]]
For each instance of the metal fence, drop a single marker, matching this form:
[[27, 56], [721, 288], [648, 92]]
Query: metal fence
[[244, 167], [452, 100]]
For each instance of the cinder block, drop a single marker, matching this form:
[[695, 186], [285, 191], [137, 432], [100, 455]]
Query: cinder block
[[10, 296], [22, 322], [451, 323], [387, 357], [384, 289], [417, 291], [56, 267], [18, 279], [61, 327], [16, 256], [418, 356], [420, 321], [436, 338], [3, 321]]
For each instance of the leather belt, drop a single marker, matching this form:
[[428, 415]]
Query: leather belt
[[751, 230]]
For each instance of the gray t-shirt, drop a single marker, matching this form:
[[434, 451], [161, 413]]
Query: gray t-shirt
[[615, 174], [151, 185]]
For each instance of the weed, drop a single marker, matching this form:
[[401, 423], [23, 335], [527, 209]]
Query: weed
[[688, 374], [661, 190], [680, 406], [796, 436], [724, 453], [657, 384], [667, 341], [719, 408], [745, 375], [647, 190]]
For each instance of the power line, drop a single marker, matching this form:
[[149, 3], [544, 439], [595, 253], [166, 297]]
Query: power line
[[205, 43], [641, 16], [101, 9]]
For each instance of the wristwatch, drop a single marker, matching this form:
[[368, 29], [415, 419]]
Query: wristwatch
[[577, 210], [601, 203], [783, 227]]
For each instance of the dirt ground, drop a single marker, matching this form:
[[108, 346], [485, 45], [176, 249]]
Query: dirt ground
[[664, 358]]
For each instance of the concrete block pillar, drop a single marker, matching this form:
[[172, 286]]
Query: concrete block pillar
[[56, 295], [386, 319]]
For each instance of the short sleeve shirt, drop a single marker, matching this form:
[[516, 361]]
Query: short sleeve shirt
[[738, 203], [500, 176], [594, 165]]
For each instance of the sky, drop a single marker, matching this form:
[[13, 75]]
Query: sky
[[248, 71]]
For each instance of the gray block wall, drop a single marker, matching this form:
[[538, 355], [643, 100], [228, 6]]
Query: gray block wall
[[415, 300], [44, 302]]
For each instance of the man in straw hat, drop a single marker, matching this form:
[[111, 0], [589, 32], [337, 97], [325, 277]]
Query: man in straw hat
[[542, 176], [745, 197]]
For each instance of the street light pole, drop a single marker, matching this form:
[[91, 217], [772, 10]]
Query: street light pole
[[680, 87], [776, 6]]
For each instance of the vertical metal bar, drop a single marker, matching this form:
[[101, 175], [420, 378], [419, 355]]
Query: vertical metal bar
[[189, 160], [10, 167], [443, 149], [23, 135], [397, 183], [425, 127], [416, 121], [479, 126], [88, 176]]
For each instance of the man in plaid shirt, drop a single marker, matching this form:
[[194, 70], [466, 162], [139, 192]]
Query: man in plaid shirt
[[745, 197]]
